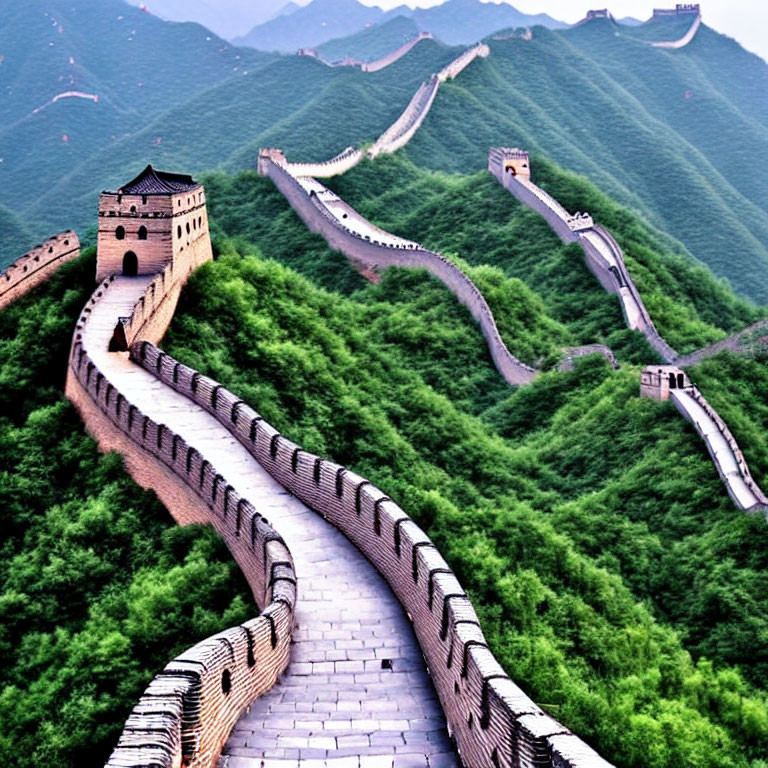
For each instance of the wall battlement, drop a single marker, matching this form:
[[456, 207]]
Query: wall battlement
[[188, 710], [368, 245], [468, 679], [35, 267]]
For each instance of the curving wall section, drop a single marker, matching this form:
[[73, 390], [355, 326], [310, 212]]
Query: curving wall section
[[336, 166], [35, 267], [405, 127], [370, 66], [747, 342], [686, 38], [345, 230], [723, 448], [603, 254], [189, 709], [493, 721], [572, 354]]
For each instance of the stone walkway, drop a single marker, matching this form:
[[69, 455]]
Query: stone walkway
[[357, 693]]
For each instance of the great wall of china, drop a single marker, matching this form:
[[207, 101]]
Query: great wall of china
[[352, 681], [370, 66], [681, 9], [35, 267], [335, 656]]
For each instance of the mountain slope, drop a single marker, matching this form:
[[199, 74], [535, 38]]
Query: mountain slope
[[15, 238], [307, 27], [282, 104], [373, 42], [631, 130], [78, 77], [467, 21], [226, 18]]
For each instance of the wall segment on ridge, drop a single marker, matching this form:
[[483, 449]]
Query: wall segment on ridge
[[347, 231], [603, 254], [35, 267]]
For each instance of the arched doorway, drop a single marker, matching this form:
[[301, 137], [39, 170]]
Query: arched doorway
[[680, 381], [672, 381], [130, 264]]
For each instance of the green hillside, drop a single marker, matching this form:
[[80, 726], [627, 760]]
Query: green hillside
[[54, 47], [15, 239], [371, 43], [99, 588], [652, 128], [227, 134]]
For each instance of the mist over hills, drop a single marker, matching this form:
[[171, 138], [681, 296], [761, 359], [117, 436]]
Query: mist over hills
[[454, 22]]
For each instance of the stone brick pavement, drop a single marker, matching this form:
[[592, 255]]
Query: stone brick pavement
[[357, 693]]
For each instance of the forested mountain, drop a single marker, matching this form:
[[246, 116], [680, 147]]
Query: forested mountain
[[665, 132], [67, 92], [316, 23], [13, 235], [678, 135], [373, 42], [613, 575], [457, 22]]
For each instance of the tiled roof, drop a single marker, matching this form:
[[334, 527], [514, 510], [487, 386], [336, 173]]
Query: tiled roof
[[152, 182]]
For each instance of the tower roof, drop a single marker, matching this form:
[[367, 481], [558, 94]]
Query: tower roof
[[152, 182]]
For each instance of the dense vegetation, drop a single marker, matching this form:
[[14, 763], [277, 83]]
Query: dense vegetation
[[98, 588], [372, 43], [556, 505], [541, 292]]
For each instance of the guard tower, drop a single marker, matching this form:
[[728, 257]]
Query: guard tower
[[658, 380], [504, 160], [149, 223], [270, 154]]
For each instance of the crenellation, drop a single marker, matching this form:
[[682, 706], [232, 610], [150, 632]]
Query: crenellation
[[35, 267]]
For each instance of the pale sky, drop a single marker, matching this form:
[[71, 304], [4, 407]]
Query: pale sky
[[745, 20]]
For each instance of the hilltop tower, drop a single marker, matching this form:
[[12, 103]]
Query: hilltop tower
[[149, 223], [657, 381], [510, 160]]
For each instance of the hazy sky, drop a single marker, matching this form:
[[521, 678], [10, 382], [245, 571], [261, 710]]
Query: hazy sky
[[746, 20]]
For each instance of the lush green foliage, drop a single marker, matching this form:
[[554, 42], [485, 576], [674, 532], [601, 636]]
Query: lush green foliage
[[98, 588], [372, 380], [15, 239]]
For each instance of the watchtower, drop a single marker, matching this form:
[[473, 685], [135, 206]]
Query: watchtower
[[510, 160], [267, 154], [149, 222], [658, 380]]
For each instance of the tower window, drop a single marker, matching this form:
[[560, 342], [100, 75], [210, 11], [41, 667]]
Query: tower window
[[142, 233], [187, 227], [178, 231], [120, 233]]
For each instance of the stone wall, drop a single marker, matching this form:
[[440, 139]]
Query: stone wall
[[493, 721], [376, 254], [35, 267], [391, 58], [460, 63], [153, 313], [189, 709], [336, 166], [747, 342], [603, 255], [686, 38]]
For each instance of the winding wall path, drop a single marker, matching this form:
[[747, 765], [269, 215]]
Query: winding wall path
[[685, 39], [604, 256], [723, 448], [370, 66], [362, 242]]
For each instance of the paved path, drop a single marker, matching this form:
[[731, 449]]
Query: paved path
[[357, 694]]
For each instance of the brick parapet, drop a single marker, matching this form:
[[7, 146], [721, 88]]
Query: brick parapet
[[493, 721], [336, 166], [188, 711], [378, 253], [35, 267]]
